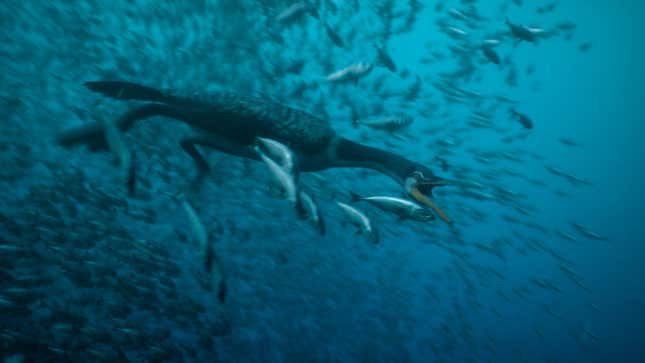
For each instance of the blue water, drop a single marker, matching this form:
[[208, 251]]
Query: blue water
[[89, 273]]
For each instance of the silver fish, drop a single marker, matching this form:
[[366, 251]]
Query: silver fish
[[312, 211], [292, 13], [360, 220], [123, 156], [283, 177], [350, 73], [278, 152], [405, 209], [206, 248], [389, 124]]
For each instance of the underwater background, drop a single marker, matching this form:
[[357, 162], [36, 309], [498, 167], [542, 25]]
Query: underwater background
[[542, 262]]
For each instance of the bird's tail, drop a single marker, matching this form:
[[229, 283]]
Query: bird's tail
[[93, 134]]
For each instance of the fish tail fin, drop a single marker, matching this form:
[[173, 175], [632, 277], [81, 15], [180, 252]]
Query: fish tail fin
[[126, 91], [355, 196]]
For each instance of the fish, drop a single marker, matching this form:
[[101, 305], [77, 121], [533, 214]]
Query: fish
[[284, 178], [566, 235], [214, 269], [521, 32], [390, 124], [569, 142], [294, 13], [116, 144], [335, 38], [360, 220], [384, 58], [312, 211], [571, 178], [278, 152], [198, 231], [546, 8], [295, 66], [588, 233], [403, 208], [566, 26], [588, 333], [206, 248], [458, 15], [455, 32], [584, 47], [523, 119], [490, 54], [350, 74], [123, 157]]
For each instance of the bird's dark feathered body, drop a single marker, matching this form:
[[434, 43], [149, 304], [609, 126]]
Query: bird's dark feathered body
[[237, 117]]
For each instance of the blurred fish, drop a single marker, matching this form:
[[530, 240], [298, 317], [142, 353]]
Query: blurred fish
[[360, 220], [570, 177], [566, 235], [279, 153], [383, 58], [284, 178], [295, 12], [333, 35], [296, 66], [206, 248], [569, 142], [584, 47], [312, 211], [214, 269], [547, 8], [490, 54], [566, 26], [350, 74], [124, 157], [458, 15], [390, 124], [413, 90], [522, 118], [455, 32], [405, 209], [587, 232], [521, 32], [200, 236]]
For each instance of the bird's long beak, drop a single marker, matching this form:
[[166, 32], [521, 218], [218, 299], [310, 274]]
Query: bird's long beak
[[413, 189]]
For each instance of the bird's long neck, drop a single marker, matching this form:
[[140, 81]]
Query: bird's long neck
[[351, 154]]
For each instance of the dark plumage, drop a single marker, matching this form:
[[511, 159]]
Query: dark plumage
[[242, 118]]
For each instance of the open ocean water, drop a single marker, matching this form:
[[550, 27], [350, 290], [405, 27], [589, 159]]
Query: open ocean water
[[531, 109]]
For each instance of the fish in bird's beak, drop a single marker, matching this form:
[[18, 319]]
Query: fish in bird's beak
[[420, 187]]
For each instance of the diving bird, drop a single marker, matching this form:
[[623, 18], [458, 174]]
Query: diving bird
[[231, 123]]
